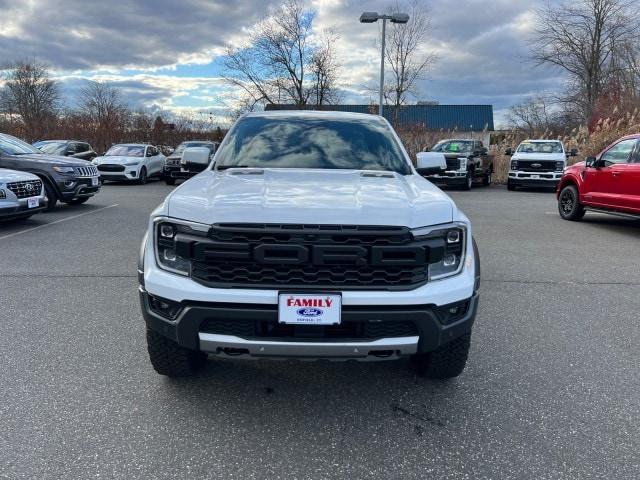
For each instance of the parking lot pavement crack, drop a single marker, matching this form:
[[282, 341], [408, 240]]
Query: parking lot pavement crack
[[558, 282]]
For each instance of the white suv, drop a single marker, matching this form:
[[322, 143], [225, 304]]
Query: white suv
[[312, 236], [22, 194], [537, 163]]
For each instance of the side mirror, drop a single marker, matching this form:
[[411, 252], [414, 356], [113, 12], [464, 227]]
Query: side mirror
[[508, 151], [431, 163], [426, 149], [484, 151], [574, 152], [590, 162]]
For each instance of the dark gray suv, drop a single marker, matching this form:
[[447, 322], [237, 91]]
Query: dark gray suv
[[65, 180]]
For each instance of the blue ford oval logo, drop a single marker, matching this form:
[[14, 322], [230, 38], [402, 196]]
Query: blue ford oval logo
[[309, 312]]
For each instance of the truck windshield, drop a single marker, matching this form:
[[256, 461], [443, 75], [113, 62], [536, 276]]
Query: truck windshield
[[540, 147], [180, 148], [453, 146], [312, 142]]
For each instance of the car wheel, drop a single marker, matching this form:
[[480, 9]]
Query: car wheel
[[170, 359], [447, 361], [170, 181], [142, 178], [468, 181], [52, 198], [77, 201], [569, 205], [511, 186], [488, 178]]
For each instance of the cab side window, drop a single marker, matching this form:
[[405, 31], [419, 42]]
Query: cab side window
[[619, 153]]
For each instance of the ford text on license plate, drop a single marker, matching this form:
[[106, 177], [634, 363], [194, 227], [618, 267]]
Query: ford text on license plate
[[309, 309]]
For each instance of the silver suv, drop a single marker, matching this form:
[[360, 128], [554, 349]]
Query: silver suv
[[21, 194]]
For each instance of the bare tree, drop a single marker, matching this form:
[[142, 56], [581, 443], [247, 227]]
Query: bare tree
[[103, 109], [534, 116], [324, 70], [31, 94], [281, 62], [405, 53], [588, 40]]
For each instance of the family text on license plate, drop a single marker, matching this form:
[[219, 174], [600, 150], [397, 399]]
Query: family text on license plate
[[33, 202], [94, 181], [309, 309]]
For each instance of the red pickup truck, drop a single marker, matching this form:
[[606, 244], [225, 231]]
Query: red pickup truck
[[607, 183]]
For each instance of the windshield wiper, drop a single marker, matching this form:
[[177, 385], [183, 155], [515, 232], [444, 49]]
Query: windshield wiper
[[225, 167]]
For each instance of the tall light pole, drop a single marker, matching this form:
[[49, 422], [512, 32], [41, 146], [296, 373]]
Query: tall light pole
[[373, 17]]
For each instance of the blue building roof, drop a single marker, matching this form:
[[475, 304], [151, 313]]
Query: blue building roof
[[433, 117]]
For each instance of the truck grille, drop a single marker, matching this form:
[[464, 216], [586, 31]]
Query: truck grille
[[29, 188], [88, 171], [231, 258], [453, 163], [272, 329], [544, 165], [109, 167]]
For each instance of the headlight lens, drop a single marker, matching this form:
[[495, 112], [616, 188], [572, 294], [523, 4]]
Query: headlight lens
[[559, 166], [2, 194], [167, 257], [62, 169], [514, 164], [463, 163], [131, 164], [454, 249]]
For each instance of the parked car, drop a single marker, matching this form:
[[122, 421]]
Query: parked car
[[467, 161], [21, 194], [311, 237], [537, 163], [67, 148], [175, 169], [130, 162], [606, 183], [67, 180]]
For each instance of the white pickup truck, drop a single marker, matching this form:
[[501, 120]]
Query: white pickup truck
[[311, 236], [537, 163]]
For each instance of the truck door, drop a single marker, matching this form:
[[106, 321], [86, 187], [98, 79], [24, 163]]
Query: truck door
[[628, 181], [601, 185]]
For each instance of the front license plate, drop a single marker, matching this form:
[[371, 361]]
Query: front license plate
[[33, 202], [94, 181], [535, 176], [309, 309]]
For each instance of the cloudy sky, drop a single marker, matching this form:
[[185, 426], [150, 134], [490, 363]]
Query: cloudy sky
[[168, 54]]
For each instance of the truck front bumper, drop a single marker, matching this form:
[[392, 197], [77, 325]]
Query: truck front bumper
[[531, 179], [217, 328], [450, 178]]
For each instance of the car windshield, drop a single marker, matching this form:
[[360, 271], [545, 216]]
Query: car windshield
[[14, 146], [53, 148], [453, 146], [126, 151], [312, 142], [540, 147], [180, 148]]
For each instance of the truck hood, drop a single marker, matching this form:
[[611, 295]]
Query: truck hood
[[8, 176], [117, 159], [311, 197], [556, 157]]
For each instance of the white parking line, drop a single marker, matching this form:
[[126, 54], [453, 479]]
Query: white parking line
[[14, 234]]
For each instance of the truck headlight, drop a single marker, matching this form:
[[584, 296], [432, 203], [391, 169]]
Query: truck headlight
[[463, 163], [559, 166], [455, 238], [514, 164], [165, 234], [2, 194]]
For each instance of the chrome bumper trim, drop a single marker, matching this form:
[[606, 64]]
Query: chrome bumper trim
[[381, 349]]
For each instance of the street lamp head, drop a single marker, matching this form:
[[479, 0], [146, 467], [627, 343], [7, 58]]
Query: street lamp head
[[399, 18], [369, 17]]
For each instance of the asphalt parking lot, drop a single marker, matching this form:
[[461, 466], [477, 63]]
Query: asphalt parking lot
[[551, 391]]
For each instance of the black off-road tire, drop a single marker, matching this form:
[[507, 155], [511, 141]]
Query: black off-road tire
[[447, 361], [569, 206], [77, 201], [170, 359], [52, 197], [170, 181], [511, 186], [487, 178], [468, 183]]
